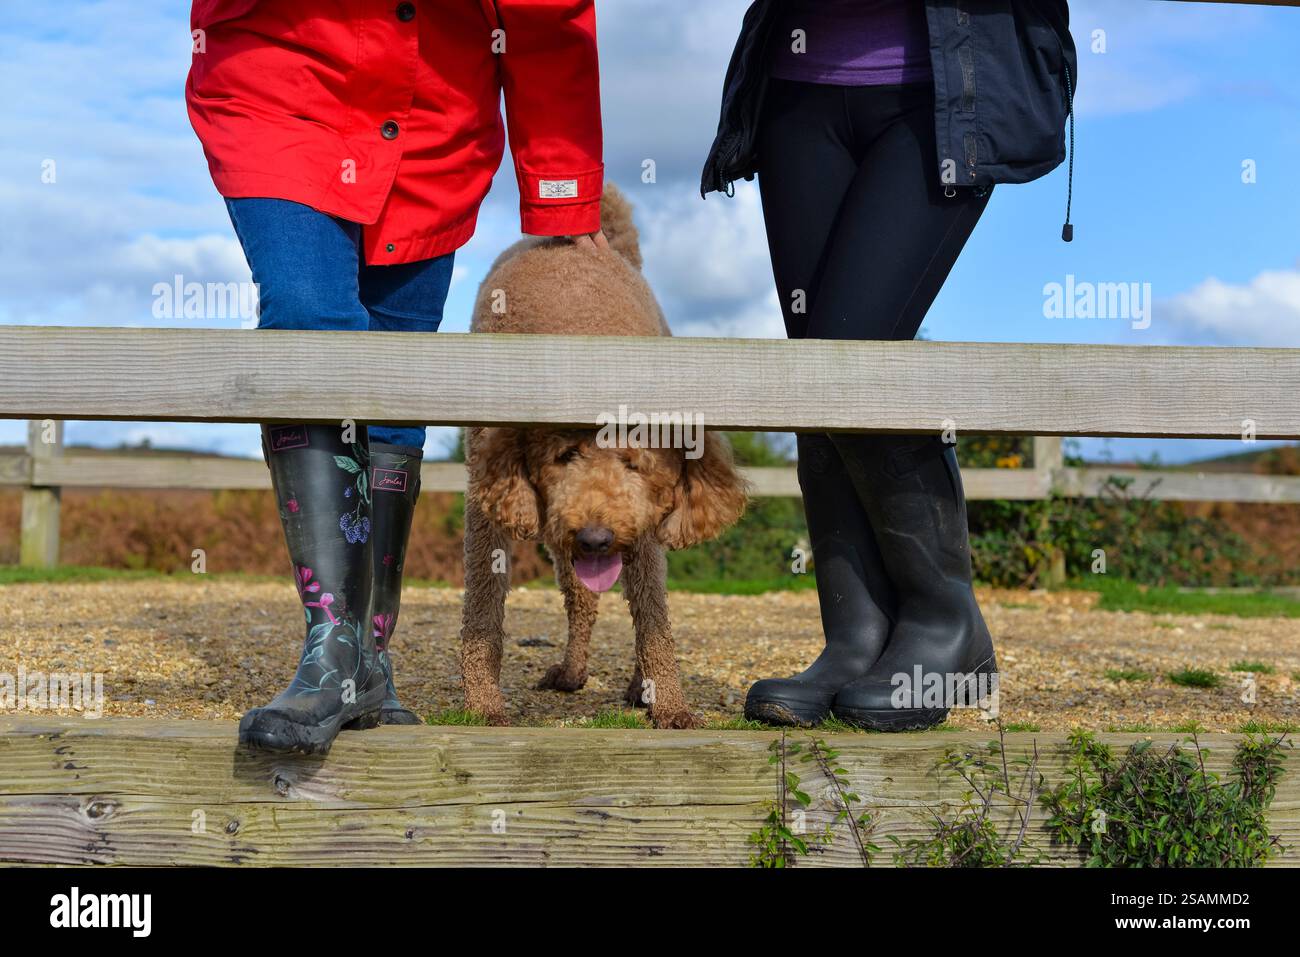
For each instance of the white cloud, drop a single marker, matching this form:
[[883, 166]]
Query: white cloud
[[1262, 312], [712, 251], [708, 262]]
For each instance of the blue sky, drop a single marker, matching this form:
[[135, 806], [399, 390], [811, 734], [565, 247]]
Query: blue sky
[[1182, 96]]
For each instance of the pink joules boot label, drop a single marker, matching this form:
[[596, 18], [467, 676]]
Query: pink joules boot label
[[388, 480], [288, 437]]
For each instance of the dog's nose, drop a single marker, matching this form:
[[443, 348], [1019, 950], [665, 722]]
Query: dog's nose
[[595, 540]]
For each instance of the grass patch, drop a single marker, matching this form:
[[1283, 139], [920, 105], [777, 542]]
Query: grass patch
[[616, 718], [1119, 595], [15, 575], [1127, 674], [1195, 678], [833, 725], [10, 574], [427, 583], [1267, 727], [1258, 667], [1021, 726], [737, 724], [456, 717], [1136, 729]]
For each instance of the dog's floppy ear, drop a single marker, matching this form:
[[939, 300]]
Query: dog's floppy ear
[[499, 483], [710, 496]]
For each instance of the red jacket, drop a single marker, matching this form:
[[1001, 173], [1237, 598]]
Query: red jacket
[[388, 114]]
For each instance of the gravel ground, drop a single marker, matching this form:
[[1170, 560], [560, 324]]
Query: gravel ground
[[211, 649]]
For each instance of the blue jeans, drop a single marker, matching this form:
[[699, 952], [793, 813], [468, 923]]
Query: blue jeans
[[307, 265]]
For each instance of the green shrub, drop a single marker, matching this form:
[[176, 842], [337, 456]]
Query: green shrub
[[760, 546], [1146, 541], [1163, 809], [990, 825]]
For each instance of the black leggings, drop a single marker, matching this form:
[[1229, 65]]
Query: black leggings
[[857, 220]]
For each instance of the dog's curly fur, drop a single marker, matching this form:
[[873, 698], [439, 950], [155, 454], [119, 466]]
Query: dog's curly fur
[[549, 484]]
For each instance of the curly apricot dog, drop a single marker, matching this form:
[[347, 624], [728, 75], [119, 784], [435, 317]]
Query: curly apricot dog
[[602, 509]]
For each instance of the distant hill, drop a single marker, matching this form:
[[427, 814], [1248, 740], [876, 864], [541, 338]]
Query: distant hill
[[141, 450], [1283, 460]]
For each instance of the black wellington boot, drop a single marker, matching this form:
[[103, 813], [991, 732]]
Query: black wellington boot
[[939, 654], [322, 486], [395, 484], [852, 587]]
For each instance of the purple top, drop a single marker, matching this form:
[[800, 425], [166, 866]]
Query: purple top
[[853, 42]]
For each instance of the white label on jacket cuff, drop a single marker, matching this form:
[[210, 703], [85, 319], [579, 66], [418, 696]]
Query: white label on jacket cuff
[[558, 189]]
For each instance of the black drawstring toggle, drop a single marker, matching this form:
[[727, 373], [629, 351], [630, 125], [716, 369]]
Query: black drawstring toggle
[[1067, 231]]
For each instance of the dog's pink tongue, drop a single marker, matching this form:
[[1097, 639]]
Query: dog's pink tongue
[[598, 572]]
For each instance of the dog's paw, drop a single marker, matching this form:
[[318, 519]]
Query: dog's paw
[[558, 679], [675, 720]]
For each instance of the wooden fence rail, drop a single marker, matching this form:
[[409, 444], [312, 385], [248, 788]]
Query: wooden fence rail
[[77, 791], [131, 471], [209, 375], [49, 374]]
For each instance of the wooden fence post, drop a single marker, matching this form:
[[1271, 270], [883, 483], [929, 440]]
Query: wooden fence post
[[39, 545], [1049, 459]]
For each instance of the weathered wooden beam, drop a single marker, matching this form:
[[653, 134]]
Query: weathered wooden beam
[[247, 376], [1167, 486], [200, 472], [1049, 454], [38, 545], [127, 470], [979, 483], [1049, 458], [136, 792], [16, 469]]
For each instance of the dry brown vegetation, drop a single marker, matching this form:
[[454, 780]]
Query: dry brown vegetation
[[238, 531]]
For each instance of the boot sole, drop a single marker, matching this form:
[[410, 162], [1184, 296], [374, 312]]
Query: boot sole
[[393, 716], [790, 715], [904, 719], [891, 720], [278, 734]]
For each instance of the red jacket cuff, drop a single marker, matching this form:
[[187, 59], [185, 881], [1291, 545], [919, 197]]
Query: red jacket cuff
[[575, 219], [560, 204]]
